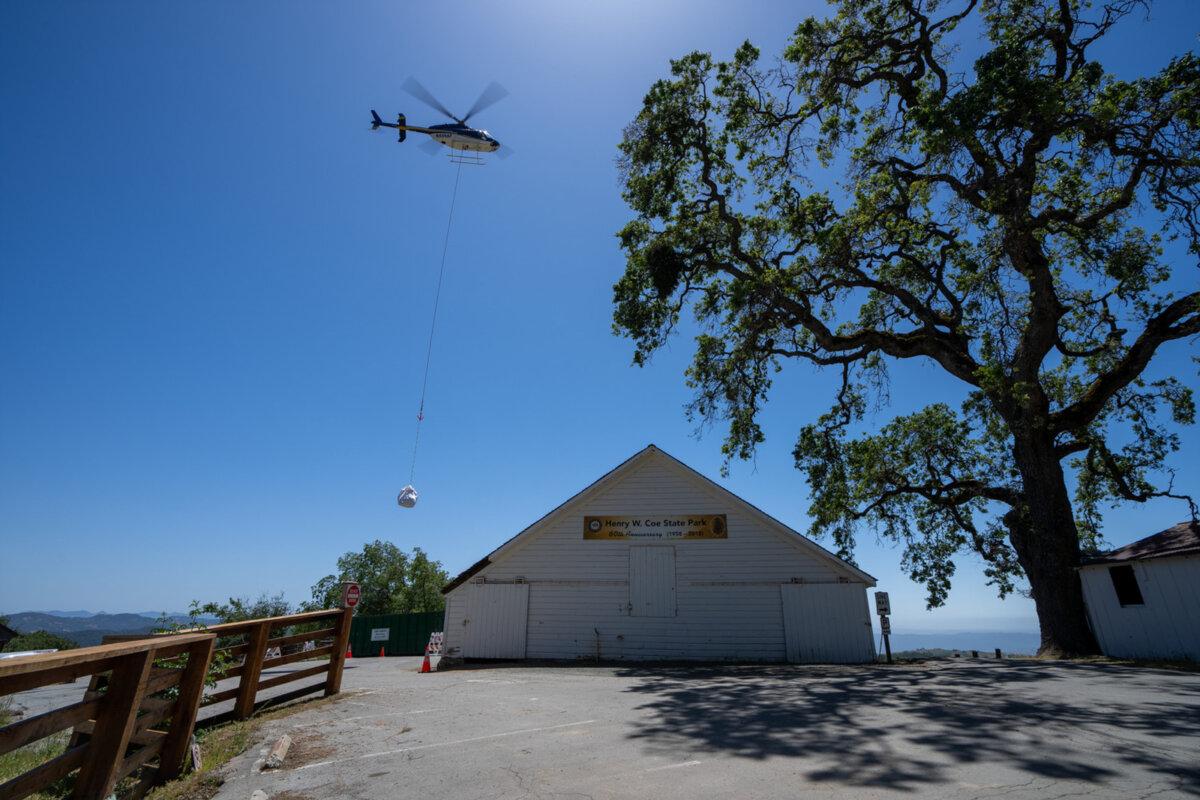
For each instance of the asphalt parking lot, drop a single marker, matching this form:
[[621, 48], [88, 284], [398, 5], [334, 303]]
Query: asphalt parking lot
[[964, 730]]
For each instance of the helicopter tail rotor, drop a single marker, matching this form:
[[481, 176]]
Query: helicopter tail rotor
[[376, 122]]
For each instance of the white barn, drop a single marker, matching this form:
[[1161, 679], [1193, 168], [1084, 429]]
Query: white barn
[[655, 561], [1143, 600]]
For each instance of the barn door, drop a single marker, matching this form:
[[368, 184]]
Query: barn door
[[827, 623], [651, 581], [497, 614]]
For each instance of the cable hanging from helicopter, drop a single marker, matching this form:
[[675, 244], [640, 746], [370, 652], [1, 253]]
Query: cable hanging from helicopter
[[465, 144]]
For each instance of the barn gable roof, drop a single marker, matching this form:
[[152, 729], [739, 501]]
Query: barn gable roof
[[623, 469], [1178, 540]]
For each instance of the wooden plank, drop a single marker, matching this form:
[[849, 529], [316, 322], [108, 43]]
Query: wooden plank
[[234, 650], [150, 777], [152, 718], [244, 706], [31, 729], [63, 673], [92, 693], [156, 703], [296, 638], [43, 775], [165, 647], [337, 661], [136, 761], [288, 677], [11, 667], [230, 628], [114, 724], [222, 696], [139, 735], [191, 691], [233, 672], [300, 655], [162, 679]]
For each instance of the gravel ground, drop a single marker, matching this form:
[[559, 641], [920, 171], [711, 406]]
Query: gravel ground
[[971, 730]]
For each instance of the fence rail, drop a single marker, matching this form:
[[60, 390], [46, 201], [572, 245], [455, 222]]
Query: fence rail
[[121, 730], [145, 693]]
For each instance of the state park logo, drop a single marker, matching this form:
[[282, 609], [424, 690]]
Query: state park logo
[[669, 527]]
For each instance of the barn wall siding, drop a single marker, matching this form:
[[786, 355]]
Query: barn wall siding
[[727, 594], [1167, 625]]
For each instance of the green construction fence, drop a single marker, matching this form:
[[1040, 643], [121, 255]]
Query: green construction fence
[[406, 634]]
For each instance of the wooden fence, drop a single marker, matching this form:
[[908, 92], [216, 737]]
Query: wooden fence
[[250, 642], [145, 695]]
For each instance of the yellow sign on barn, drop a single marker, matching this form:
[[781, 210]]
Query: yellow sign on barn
[[656, 526]]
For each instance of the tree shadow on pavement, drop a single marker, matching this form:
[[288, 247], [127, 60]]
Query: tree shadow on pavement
[[906, 727]]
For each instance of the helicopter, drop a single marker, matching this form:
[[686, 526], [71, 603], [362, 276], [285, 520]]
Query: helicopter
[[457, 135]]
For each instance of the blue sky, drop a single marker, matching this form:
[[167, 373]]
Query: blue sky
[[216, 284]]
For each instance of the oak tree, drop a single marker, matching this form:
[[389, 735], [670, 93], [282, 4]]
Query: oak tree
[[392, 581], [956, 182]]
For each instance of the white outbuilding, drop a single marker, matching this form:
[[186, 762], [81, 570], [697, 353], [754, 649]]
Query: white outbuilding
[[656, 561], [1143, 600]]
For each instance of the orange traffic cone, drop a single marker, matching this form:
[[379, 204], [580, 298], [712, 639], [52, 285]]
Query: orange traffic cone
[[347, 651], [425, 664], [381, 652]]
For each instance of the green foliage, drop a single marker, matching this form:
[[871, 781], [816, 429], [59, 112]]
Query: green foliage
[[33, 755], [39, 640], [239, 609], [1005, 219], [220, 663], [392, 581]]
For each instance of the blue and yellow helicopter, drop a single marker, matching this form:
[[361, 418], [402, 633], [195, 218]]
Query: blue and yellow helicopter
[[458, 135]]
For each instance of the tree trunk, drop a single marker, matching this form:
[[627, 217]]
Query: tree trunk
[[1044, 536]]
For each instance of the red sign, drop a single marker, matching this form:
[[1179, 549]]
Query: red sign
[[350, 595]]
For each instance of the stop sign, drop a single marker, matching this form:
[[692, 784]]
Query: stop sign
[[350, 595]]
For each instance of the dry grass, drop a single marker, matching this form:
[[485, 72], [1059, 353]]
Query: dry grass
[[220, 745], [25, 758]]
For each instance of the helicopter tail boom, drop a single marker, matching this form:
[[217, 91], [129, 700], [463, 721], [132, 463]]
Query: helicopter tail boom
[[401, 124]]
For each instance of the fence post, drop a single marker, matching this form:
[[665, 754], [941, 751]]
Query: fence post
[[183, 720], [114, 725], [256, 651], [333, 683]]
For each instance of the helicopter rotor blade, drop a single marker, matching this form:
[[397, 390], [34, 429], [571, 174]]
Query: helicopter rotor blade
[[429, 147], [505, 151], [414, 87], [493, 94]]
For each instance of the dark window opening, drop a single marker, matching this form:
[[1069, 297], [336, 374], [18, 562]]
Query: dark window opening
[[1125, 582]]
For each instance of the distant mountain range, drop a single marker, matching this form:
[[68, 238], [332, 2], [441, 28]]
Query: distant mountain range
[[86, 628], [151, 614], [1011, 643]]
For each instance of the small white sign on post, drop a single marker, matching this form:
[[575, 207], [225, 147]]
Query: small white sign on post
[[380, 634], [883, 606]]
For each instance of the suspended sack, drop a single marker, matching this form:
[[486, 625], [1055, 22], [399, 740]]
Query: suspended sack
[[407, 497]]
